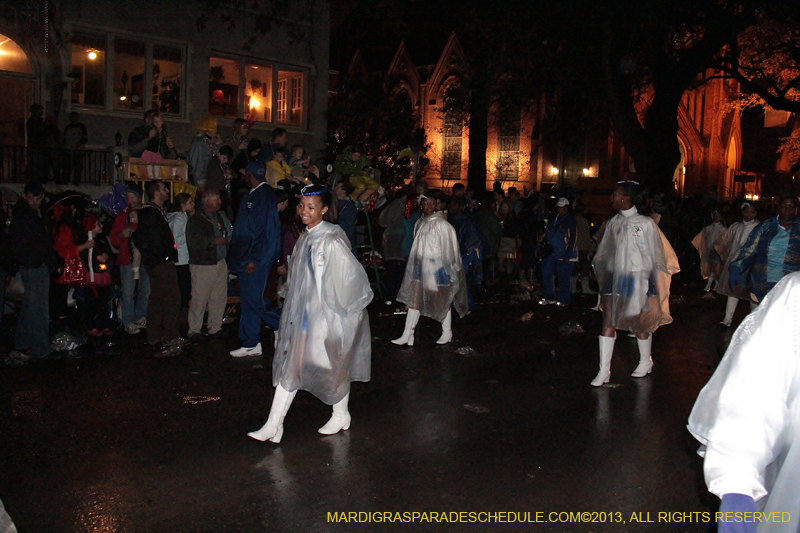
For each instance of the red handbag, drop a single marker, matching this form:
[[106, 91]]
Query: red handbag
[[73, 274]]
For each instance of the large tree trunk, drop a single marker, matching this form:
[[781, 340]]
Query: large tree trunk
[[478, 140], [656, 163]]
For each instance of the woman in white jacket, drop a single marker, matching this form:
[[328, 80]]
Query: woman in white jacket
[[324, 341], [434, 278], [727, 246]]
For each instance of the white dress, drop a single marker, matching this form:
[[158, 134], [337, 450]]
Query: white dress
[[434, 276], [704, 242], [727, 247], [324, 339], [634, 266], [748, 415]]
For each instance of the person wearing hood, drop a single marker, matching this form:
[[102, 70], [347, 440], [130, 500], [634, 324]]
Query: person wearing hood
[[728, 246], [434, 279]]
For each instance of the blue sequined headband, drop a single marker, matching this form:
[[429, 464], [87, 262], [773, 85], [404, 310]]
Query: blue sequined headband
[[303, 192]]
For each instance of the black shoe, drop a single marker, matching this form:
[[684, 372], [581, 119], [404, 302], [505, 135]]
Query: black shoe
[[195, 338]]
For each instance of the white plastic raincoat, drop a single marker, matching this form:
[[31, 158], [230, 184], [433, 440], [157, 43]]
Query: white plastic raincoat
[[727, 246], [324, 339], [434, 275], [634, 266], [704, 242], [748, 415]]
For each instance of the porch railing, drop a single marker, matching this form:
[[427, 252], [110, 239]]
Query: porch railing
[[20, 164]]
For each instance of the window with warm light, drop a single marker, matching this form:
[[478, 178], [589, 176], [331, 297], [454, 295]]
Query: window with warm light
[[129, 82], [88, 70], [13, 58], [258, 92], [290, 97], [452, 129], [223, 87], [508, 150]]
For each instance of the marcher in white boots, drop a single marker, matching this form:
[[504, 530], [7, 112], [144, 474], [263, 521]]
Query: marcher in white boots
[[324, 341], [434, 279], [634, 266], [728, 246]]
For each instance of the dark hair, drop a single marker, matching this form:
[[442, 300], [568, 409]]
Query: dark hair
[[150, 188], [277, 132], [252, 146], [179, 200], [281, 196], [791, 197], [150, 113], [279, 150], [326, 198], [296, 146], [458, 187], [33, 187], [638, 195], [226, 150], [237, 123], [348, 188]]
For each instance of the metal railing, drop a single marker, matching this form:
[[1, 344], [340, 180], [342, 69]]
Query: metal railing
[[20, 164]]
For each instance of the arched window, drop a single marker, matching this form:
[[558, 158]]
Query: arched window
[[12, 58]]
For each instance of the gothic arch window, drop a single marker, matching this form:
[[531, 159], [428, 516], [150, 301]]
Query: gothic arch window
[[13, 58], [452, 134]]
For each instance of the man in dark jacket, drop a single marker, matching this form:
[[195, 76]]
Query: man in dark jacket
[[255, 246], [207, 239], [154, 240], [562, 238], [34, 253]]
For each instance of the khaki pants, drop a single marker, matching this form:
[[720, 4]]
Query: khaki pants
[[209, 288]]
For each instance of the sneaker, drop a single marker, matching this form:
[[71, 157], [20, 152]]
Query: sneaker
[[546, 302], [131, 329], [561, 304], [195, 338], [141, 323], [177, 342], [401, 311], [228, 320], [247, 352]]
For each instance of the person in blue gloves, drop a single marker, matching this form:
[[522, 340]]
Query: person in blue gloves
[[748, 416]]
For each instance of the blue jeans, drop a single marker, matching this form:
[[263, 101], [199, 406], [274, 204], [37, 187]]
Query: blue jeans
[[555, 267], [33, 321], [134, 308], [255, 308]]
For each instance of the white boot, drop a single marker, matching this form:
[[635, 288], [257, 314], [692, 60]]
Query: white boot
[[708, 285], [585, 286], [273, 429], [340, 419], [597, 306], [730, 309], [411, 322], [645, 361], [606, 351], [447, 331]]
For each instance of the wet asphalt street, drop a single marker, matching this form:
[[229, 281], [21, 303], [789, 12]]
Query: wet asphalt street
[[127, 442]]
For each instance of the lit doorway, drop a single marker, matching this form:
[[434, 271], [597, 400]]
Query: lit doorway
[[679, 177], [17, 80]]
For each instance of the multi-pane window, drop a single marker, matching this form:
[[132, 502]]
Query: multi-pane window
[[508, 150], [88, 70], [452, 129], [223, 87], [128, 75], [258, 92], [167, 78], [139, 74], [290, 97]]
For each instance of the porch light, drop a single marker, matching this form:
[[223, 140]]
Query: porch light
[[585, 171], [554, 171], [92, 55]]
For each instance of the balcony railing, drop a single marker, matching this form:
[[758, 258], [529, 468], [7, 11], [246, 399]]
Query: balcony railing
[[19, 164]]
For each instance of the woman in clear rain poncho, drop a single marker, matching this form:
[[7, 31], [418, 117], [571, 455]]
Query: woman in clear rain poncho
[[634, 266], [728, 246], [324, 340], [434, 277], [748, 417], [710, 263]]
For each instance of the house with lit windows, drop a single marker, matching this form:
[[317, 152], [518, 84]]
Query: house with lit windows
[[111, 61], [531, 156]]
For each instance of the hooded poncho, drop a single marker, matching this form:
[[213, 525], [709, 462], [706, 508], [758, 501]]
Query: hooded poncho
[[324, 339]]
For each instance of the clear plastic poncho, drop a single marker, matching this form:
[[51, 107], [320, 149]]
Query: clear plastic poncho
[[434, 276], [748, 415], [704, 242], [324, 339], [634, 265], [727, 246]]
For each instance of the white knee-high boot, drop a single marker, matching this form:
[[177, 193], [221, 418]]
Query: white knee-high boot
[[645, 361], [606, 351], [340, 419], [408, 334], [273, 429], [730, 309], [447, 331]]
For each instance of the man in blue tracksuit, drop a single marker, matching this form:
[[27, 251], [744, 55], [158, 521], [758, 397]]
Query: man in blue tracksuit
[[255, 246], [561, 236]]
